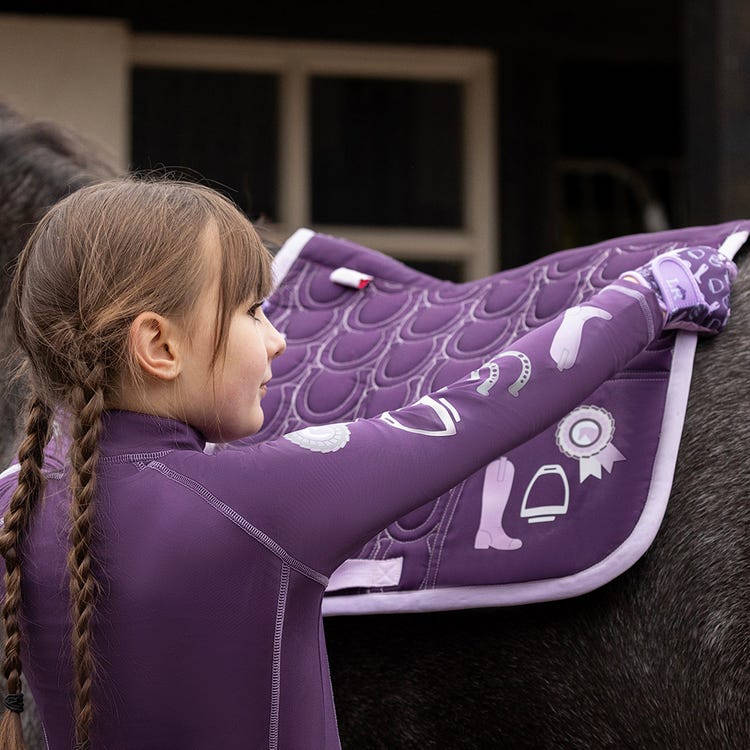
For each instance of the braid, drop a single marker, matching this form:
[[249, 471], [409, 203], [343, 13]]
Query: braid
[[16, 521], [88, 401]]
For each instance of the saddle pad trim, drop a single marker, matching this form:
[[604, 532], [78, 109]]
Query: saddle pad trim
[[733, 243], [366, 573]]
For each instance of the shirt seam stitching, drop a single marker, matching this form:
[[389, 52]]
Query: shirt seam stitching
[[273, 730], [134, 457], [239, 520]]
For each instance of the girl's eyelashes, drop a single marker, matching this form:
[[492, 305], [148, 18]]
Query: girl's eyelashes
[[254, 309]]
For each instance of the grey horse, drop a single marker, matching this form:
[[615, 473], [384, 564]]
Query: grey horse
[[657, 659]]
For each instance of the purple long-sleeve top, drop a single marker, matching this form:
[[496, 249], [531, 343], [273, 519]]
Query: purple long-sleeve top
[[208, 630]]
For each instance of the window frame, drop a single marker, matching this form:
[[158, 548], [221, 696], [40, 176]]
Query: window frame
[[475, 245]]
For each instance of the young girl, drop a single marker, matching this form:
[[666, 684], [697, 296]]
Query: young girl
[[163, 595]]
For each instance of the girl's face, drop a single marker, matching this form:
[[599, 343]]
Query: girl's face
[[223, 401]]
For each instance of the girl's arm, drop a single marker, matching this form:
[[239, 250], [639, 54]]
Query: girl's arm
[[325, 491]]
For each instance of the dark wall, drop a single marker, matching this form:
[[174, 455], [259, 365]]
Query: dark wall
[[618, 27], [574, 79]]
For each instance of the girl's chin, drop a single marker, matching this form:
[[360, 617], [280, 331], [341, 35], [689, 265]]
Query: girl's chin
[[236, 432]]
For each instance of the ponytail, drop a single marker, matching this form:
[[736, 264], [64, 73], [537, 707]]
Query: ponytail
[[88, 403], [22, 504]]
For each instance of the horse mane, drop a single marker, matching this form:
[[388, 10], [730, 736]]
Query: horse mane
[[40, 163]]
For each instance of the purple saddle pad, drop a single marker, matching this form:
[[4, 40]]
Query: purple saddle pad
[[556, 517]]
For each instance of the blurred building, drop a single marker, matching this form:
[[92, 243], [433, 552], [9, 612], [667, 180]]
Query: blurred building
[[457, 138]]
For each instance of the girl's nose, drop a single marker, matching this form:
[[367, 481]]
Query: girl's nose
[[276, 342]]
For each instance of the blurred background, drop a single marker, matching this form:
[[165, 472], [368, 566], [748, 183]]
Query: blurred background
[[461, 139]]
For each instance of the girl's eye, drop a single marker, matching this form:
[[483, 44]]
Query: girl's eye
[[254, 309]]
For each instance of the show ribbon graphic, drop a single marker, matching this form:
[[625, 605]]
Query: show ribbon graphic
[[586, 434]]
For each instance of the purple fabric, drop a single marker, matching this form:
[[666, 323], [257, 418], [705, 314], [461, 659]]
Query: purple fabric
[[213, 563], [353, 353]]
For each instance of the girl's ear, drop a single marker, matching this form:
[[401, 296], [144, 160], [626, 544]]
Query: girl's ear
[[155, 344]]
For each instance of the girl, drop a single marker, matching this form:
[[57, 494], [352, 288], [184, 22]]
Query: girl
[[163, 595]]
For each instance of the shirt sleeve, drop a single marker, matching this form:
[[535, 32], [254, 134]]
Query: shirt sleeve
[[327, 490]]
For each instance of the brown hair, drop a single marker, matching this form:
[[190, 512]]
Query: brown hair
[[95, 261]]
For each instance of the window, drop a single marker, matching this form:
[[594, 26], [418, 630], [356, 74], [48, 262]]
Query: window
[[387, 146], [219, 126]]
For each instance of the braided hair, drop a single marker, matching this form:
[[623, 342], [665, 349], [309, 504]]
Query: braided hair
[[16, 520]]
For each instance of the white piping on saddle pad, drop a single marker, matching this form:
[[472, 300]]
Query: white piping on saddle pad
[[366, 574], [288, 253], [733, 243]]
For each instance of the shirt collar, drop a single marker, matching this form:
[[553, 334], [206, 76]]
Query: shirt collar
[[125, 432]]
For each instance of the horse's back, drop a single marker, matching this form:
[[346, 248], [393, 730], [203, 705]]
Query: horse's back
[[659, 658]]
